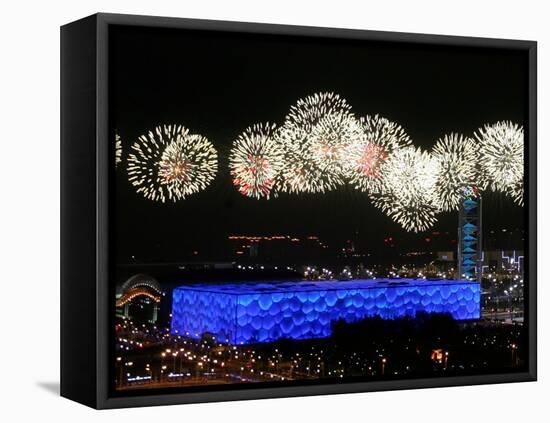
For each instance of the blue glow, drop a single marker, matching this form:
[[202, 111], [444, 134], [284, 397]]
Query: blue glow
[[265, 312], [469, 234]]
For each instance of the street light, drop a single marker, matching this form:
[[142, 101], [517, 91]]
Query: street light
[[514, 354]]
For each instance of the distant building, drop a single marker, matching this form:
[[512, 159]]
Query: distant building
[[446, 256], [503, 260], [266, 312], [278, 248]]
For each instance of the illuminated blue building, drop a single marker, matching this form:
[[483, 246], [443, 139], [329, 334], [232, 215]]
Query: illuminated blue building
[[265, 312]]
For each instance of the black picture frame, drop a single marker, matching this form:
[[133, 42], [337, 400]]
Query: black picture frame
[[85, 220]]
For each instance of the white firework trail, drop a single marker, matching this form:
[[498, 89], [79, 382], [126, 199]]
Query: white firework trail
[[169, 163], [313, 137], [255, 161], [457, 157], [188, 165], [364, 158], [501, 151], [329, 141], [118, 150], [517, 193], [408, 192]]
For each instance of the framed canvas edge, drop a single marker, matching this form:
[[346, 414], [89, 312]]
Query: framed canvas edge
[[314, 390], [104, 401]]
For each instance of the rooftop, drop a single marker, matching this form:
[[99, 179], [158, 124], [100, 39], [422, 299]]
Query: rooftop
[[267, 287]]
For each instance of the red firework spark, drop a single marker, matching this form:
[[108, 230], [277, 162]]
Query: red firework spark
[[254, 177], [369, 163], [176, 170]]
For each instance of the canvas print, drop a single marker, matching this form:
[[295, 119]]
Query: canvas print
[[289, 210]]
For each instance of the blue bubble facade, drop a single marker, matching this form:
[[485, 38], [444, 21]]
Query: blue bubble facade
[[265, 312]]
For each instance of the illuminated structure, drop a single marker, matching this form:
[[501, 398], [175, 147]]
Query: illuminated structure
[[139, 297], [118, 150], [266, 312], [469, 236], [503, 260]]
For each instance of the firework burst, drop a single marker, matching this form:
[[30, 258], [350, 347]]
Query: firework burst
[[364, 158], [118, 150], [255, 161], [457, 158], [329, 140], [313, 137], [187, 166], [501, 158], [408, 191], [308, 111], [170, 164]]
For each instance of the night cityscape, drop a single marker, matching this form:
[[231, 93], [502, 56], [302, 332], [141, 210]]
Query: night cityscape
[[149, 355], [333, 245]]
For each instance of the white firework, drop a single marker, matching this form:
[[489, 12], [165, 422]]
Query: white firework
[[118, 150], [366, 155], [308, 111], [143, 161], [169, 163], [501, 150], [313, 137], [457, 157], [516, 192], [408, 191], [329, 141], [187, 165], [255, 161]]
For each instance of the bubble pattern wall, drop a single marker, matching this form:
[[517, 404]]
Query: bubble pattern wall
[[196, 312], [266, 312]]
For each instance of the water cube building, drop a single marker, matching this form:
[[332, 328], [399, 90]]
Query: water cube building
[[265, 312]]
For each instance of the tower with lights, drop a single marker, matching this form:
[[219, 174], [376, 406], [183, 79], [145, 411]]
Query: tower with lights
[[469, 236]]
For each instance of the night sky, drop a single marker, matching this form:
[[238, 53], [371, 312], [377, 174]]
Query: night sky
[[217, 84]]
